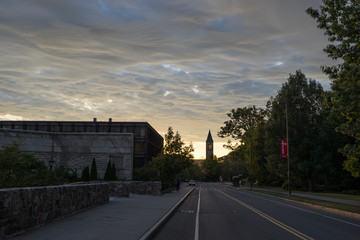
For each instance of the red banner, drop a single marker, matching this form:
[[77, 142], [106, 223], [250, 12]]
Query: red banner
[[283, 144]]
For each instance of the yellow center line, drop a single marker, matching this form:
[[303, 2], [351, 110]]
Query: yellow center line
[[271, 219]]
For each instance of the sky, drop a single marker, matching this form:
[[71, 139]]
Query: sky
[[183, 63]]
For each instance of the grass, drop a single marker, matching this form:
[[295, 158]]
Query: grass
[[338, 195], [325, 194], [323, 203]]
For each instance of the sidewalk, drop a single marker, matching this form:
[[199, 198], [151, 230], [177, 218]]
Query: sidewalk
[[121, 218]]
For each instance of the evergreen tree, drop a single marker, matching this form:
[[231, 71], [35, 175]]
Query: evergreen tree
[[113, 172], [85, 175], [93, 176], [107, 176]]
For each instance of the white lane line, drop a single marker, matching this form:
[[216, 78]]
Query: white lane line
[[197, 218]]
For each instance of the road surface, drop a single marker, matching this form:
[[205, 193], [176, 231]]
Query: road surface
[[217, 211]]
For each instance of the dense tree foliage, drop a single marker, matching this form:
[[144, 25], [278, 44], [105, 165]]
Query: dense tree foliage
[[242, 126], [18, 169], [304, 102], [211, 169], [242, 122], [340, 19], [174, 161], [313, 140], [234, 163], [313, 114]]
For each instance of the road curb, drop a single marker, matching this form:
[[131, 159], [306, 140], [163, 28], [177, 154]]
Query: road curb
[[317, 207], [151, 232]]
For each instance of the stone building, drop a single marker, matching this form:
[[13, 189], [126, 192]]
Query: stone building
[[74, 144]]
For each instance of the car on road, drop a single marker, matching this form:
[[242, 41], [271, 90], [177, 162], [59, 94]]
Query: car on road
[[191, 183]]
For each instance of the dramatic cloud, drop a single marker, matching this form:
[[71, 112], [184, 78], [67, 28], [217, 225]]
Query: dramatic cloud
[[181, 63]]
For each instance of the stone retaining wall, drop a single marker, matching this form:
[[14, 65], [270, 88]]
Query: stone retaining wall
[[22, 208], [123, 189], [152, 188]]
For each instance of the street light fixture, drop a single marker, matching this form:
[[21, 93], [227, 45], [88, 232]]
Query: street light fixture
[[287, 145]]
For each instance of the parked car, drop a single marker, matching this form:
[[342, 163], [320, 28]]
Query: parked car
[[191, 183]]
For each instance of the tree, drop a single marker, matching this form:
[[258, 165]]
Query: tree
[[107, 176], [173, 160], [341, 23], [175, 145], [259, 164], [340, 20], [304, 102], [66, 175], [211, 169], [85, 175], [113, 172], [234, 163], [242, 126], [149, 172], [242, 122], [93, 174]]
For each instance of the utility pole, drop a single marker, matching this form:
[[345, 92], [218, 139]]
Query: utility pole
[[288, 152]]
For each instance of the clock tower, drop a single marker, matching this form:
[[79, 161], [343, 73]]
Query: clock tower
[[209, 147]]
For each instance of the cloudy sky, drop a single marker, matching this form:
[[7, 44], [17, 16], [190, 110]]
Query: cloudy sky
[[183, 63]]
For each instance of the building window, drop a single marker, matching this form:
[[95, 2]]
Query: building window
[[78, 128], [54, 128], [139, 147], [18, 126], [43, 127], [5, 125], [115, 128], [91, 128], [30, 126], [103, 127], [140, 132], [67, 128]]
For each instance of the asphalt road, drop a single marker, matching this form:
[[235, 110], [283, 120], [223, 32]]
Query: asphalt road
[[216, 211]]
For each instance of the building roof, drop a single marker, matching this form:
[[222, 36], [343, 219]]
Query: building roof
[[209, 138]]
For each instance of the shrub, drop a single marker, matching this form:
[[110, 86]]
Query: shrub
[[18, 169]]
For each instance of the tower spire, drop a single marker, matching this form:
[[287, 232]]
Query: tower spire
[[209, 146], [209, 138]]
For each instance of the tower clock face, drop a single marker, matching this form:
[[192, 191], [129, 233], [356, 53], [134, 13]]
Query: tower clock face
[[209, 147]]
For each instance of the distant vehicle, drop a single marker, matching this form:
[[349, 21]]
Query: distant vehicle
[[191, 183]]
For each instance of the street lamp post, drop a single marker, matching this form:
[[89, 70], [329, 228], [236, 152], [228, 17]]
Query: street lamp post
[[287, 145], [250, 175], [288, 152]]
